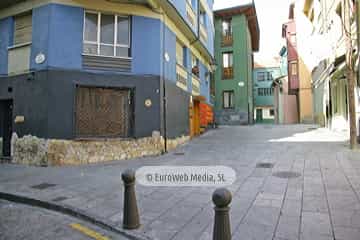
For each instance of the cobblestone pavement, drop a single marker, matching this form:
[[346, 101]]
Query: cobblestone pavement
[[320, 201], [23, 222]]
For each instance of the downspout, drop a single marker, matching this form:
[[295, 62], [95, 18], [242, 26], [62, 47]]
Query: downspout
[[155, 8]]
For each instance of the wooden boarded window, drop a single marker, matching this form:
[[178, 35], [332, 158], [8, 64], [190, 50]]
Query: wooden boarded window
[[23, 29], [102, 112]]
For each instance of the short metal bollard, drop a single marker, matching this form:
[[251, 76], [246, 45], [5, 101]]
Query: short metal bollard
[[131, 218], [222, 230]]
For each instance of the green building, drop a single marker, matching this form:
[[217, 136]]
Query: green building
[[236, 38], [263, 92]]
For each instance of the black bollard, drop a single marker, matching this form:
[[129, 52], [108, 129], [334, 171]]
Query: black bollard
[[222, 230], [131, 214]]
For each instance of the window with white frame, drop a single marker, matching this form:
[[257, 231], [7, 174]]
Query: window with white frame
[[106, 35]]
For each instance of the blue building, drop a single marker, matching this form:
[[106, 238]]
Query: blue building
[[263, 75], [99, 68]]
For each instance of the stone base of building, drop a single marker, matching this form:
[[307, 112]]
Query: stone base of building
[[231, 117], [30, 150]]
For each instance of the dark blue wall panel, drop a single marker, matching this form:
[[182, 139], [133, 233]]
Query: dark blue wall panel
[[6, 37]]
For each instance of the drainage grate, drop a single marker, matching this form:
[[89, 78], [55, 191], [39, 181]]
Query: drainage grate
[[287, 174], [179, 153], [312, 128], [59, 199], [264, 165], [43, 186]]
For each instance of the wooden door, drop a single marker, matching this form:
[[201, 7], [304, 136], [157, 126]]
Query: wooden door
[[194, 114]]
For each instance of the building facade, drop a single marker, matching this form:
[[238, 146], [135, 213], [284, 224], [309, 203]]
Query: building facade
[[104, 69], [236, 38], [285, 103], [330, 84], [298, 62], [322, 50], [264, 111]]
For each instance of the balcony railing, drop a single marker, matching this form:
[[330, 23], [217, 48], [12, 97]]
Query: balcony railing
[[181, 77], [195, 85], [228, 73], [227, 40], [191, 16], [203, 33]]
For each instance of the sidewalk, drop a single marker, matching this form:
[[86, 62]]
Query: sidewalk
[[320, 202]]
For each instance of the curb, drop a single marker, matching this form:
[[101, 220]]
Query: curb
[[73, 212]]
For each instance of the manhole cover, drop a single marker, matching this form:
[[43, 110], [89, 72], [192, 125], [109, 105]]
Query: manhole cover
[[179, 153], [264, 165], [43, 186], [59, 199], [287, 174]]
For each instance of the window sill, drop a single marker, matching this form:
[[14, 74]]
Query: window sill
[[19, 45], [95, 55]]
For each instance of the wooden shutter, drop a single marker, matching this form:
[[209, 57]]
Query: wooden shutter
[[102, 112], [23, 29]]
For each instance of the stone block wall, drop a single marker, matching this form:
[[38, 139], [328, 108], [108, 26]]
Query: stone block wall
[[31, 150]]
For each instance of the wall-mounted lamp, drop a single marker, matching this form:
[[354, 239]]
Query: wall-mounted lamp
[[31, 76]]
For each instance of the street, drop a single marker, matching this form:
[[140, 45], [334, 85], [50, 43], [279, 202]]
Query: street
[[294, 182], [24, 222]]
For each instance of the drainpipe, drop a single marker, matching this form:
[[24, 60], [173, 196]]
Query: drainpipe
[[162, 79], [157, 9]]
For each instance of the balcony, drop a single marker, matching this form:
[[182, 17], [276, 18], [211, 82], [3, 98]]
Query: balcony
[[203, 34], [228, 73], [227, 40], [181, 77], [191, 16], [195, 85]]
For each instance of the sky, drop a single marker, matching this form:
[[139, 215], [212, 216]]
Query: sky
[[271, 16]]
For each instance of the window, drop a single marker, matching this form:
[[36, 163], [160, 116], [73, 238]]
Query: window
[[227, 60], [227, 64], [212, 84], [260, 76], [293, 68], [192, 3], [23, 29], [269, 76], [272, 112], [202, 16], [106, 35], [195, 66], [293, 39], [226, 27], [228, 99], [180, 54]]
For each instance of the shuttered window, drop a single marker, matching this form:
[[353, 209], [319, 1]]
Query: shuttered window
[[23, 29], [102, 112], [179, 53]]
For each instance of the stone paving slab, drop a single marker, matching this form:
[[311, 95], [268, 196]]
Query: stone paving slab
[[322, 202], [31, 223]]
